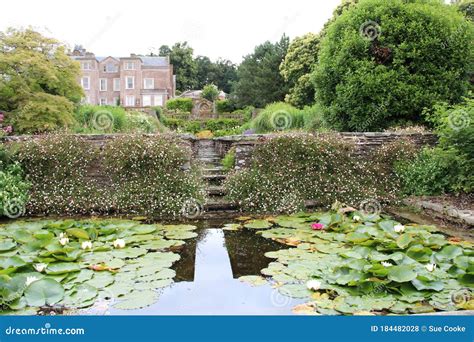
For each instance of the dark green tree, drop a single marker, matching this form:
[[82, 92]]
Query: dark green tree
[[185, 69], [259, 80]]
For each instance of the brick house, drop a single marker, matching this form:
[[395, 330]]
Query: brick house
[[134, 81]]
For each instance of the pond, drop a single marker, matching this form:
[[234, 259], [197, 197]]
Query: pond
[[307, 263]]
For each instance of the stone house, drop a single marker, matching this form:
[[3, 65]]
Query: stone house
[[134, 81]]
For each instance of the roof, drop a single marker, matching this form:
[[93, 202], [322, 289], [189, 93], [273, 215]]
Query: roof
[[155, 61]]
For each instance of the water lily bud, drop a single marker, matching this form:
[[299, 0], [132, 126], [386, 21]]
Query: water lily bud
[[430, 267], [399, 228], [356, 218], [119, 243], [64, 241], [86, 245], [313, 285], [386, 264], [39, 267]]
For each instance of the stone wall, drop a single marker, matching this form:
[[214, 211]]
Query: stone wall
[[365, 142]]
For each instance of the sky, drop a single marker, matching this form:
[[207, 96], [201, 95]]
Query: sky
[[214, 28]]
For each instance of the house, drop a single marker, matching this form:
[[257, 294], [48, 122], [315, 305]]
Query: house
[[134, 81]]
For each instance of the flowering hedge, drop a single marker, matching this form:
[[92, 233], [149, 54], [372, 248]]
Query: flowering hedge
[[288, 170], [134, 174]]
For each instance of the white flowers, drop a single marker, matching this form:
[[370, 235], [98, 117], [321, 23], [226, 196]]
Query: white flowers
[[119, 243], [430, 267], [386, 264], [356, 218], [399, 228], [39, 267], [86, 245], [63, 239], [313, 285], [30, 280]]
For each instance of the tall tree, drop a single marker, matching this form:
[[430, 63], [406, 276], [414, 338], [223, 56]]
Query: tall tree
[[37, 80], [205, 71], [259, 79], [225, 75], [296, 68], [181, 56]]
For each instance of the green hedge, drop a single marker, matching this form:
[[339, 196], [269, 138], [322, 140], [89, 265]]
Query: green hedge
[[195, 126], [287, 170], [137, 174], [180, 104]]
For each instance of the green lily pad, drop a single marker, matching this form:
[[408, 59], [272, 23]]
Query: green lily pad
[[78, 233], [81, 296], [44, 292], [402, 273], [257, 224], [62, 267], [137, 300], [6, 245]]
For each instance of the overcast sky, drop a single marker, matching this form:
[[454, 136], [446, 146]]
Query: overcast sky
[[227, 29]]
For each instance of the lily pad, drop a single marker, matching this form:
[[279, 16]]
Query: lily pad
[[257, 224], [402, 273], [137, 300], [44, 292], [253, 280]]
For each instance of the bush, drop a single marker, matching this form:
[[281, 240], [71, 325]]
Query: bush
[[278, 116], [43, 113], [180, 104], [228, 162], [448, 167], [139, 122], [221, 124], [134, 174], [288, 170], [224, 106], [13, 190], [100, 119], [382, 62]]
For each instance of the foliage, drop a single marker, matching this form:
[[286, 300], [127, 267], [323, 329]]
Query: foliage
[[194, 126], [222, 73], [224, 106], [72, 264], [278, 116], [259, 80], [134, 174], [210, 92], [206, 134], [446, 168], [139, 122], [13, 189], [228, 162], [40, 93], [181, 104], [184, 66], [296, 68], [466, 7], [366, 263], [105, 119], [288, 170], [377, 67]]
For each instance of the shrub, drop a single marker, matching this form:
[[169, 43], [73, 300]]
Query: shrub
[[221, 124], [278, 116], [43, 113], [227, 132], [181, 104], [101, 119], [224, 106], [206, 134], [139, 122], [13, 190], [448, 167], [382, 62], [135, 174], [288, 170], [228, 162], [210, 92]]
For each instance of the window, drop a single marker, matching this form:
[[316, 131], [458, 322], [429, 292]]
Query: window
[[130, 101], [116, 84], [85, 82], [116, 101], [103, 101], [86, 65], [146, 100], [103, 84], [148, 83], [158, 100], [130, 82], [129, 66], [110, 67]]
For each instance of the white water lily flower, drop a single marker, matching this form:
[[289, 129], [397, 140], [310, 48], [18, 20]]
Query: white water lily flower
[[430, 267], [86, 245], [356, 218], [30, 280], [119, 243], [386, 264], [64, 241], [39, 267], [399, 228], [62, 235], [313, 285]]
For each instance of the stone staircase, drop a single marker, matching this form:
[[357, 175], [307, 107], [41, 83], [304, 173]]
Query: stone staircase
[[214, 177]]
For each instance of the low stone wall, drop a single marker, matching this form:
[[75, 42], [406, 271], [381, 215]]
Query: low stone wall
[[365, 142]]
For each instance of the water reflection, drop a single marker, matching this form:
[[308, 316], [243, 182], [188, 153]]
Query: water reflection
[[220, 258]]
